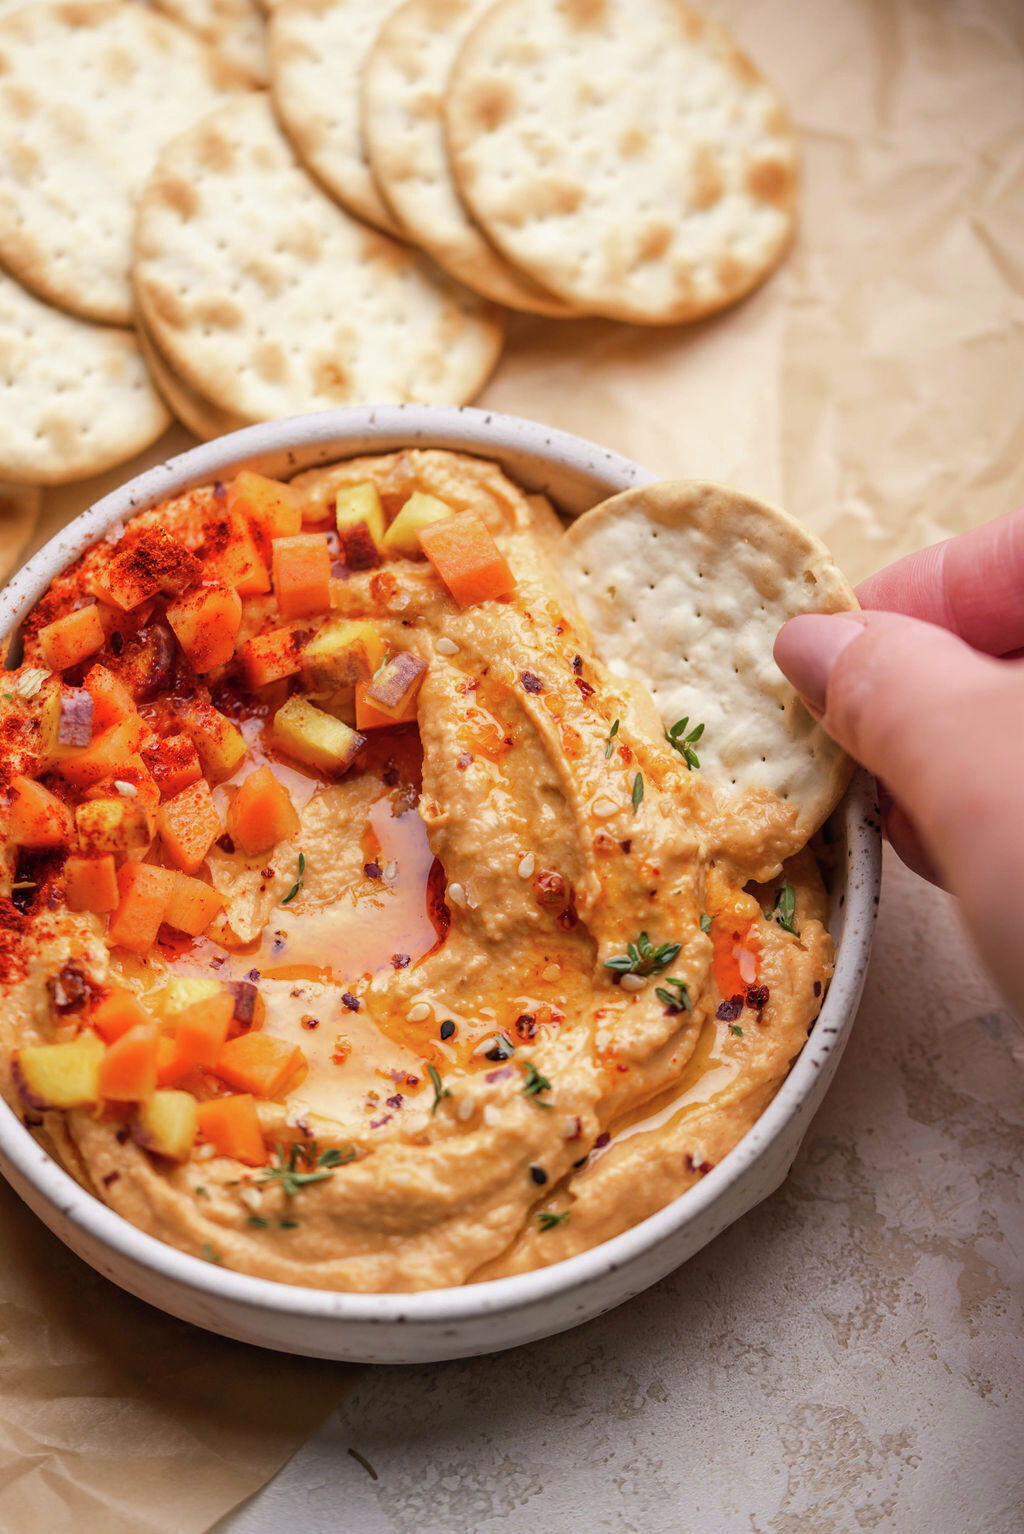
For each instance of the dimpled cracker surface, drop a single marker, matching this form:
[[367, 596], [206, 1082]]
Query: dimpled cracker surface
[[191, 408], [269, 299], [76, 397], [686, 585], [88, 94], [404, 85], [317, 52], [624, 152], [235, 28]]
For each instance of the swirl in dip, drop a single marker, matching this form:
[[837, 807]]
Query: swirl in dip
[[359, 929]]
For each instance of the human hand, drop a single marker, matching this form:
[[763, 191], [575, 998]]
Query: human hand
[[914, 688]]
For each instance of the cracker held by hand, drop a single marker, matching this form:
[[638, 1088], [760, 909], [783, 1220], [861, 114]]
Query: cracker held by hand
[[317, 52], [269, 299], [88, 94], [686, 585], [77, 397], [623, 152], [404, 86]]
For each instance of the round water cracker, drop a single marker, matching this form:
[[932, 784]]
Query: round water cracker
[[76, 397], [19, 513], [236, 29], [269, 299], [624, 152], [317, 52], [192, 409], [88, 93], [404, 84], [685, 586]]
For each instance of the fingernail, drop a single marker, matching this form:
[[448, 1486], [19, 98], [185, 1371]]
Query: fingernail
[[807, 649]]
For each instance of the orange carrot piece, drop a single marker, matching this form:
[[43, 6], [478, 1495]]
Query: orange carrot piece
[[467, 559], [232, 1126], [90, 884], [231, 555], [174, 764], [192, 905], [302, 575], [203, 1029], [38, 818], [128, 1069], [107, 754], [206, 624], [146, 561], [111, 700], [258, 1063], [169, 1069], [270, 657], [68, 640], [116, 1013], [275, 510], [261, 813], [145, 891], [370, 718], [189, 825]]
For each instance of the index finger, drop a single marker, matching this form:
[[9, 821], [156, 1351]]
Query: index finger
[[972, 585]]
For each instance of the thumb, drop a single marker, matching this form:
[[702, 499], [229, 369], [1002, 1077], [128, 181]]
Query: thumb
[[944, 727]]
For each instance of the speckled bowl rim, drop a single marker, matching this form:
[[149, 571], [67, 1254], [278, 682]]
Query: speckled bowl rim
[[489, 434]]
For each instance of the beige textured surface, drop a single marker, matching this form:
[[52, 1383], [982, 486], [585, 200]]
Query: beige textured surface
[[404, 86], [88, 93], [317, 52], [235, 28], [685, 586], [19, 513], [204, 420], [76, 396], [270, 299], [624, 152]]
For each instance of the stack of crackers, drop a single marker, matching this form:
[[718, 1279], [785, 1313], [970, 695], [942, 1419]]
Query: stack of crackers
[[174, 235]]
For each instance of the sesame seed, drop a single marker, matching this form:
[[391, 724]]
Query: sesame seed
[[603, 808], [128, 790], [484, 1045], [456, 894], [390, 869], [526, 866], [446, 646], [447, 1029], [419, 1012], [466, 1107]]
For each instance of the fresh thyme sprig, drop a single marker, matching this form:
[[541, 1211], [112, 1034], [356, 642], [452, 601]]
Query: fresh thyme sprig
[[684, 743], [680, 1001], [642, 958], [638, 791], [549, 1219], [298, 883], [288, 1174], [784, 908], [534, 1084], [609, 744], [440, 1092]]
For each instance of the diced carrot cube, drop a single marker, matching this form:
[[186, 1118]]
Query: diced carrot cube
[[145, 562], [68, 640], [109, 752], [370, 718], [118, 1012], [189, 825], [90, 884], [169, 1068], [302, 575], [174, 764], [38, 818], [202, 1030], [206, 624], [192, 905], [112, 825], [232, 1126], [274, 509], [261, 813], [231, 555], [128, 1069], [145, 891], [467, 559], [220, 745], [259, 1063], [270, 657], [132, 774], [111, 699]]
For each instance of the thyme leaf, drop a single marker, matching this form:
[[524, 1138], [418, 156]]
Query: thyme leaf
[[784, 908], [549, 1219], [736, 1029], [439, 1091], [609, 744], [684, 743], [298, 883], [642, 958], [680, 1001], [638, 791], [534, 1084], [288, 1173], [705, 922]]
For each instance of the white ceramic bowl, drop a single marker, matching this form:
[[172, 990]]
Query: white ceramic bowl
[[478, 1318]]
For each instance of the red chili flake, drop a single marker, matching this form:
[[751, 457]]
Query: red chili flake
[[373, 870], [703, 1167], [525, 1025], [530, 682], [218, 960], [399, 961], [602, 1140], [379, 1123], [622, 1068], [577, 664], [110, 1179], [584, 687], [464, 760], [71, 990], [266, 873], [626, 845], [396, 1101], [817, 987], [389, 776], [122, 1135], [757, 999], [350, 1001], [309, 1021], [253, 975], [226, 844], [549, 888], [567, 919], [729, 1011]]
